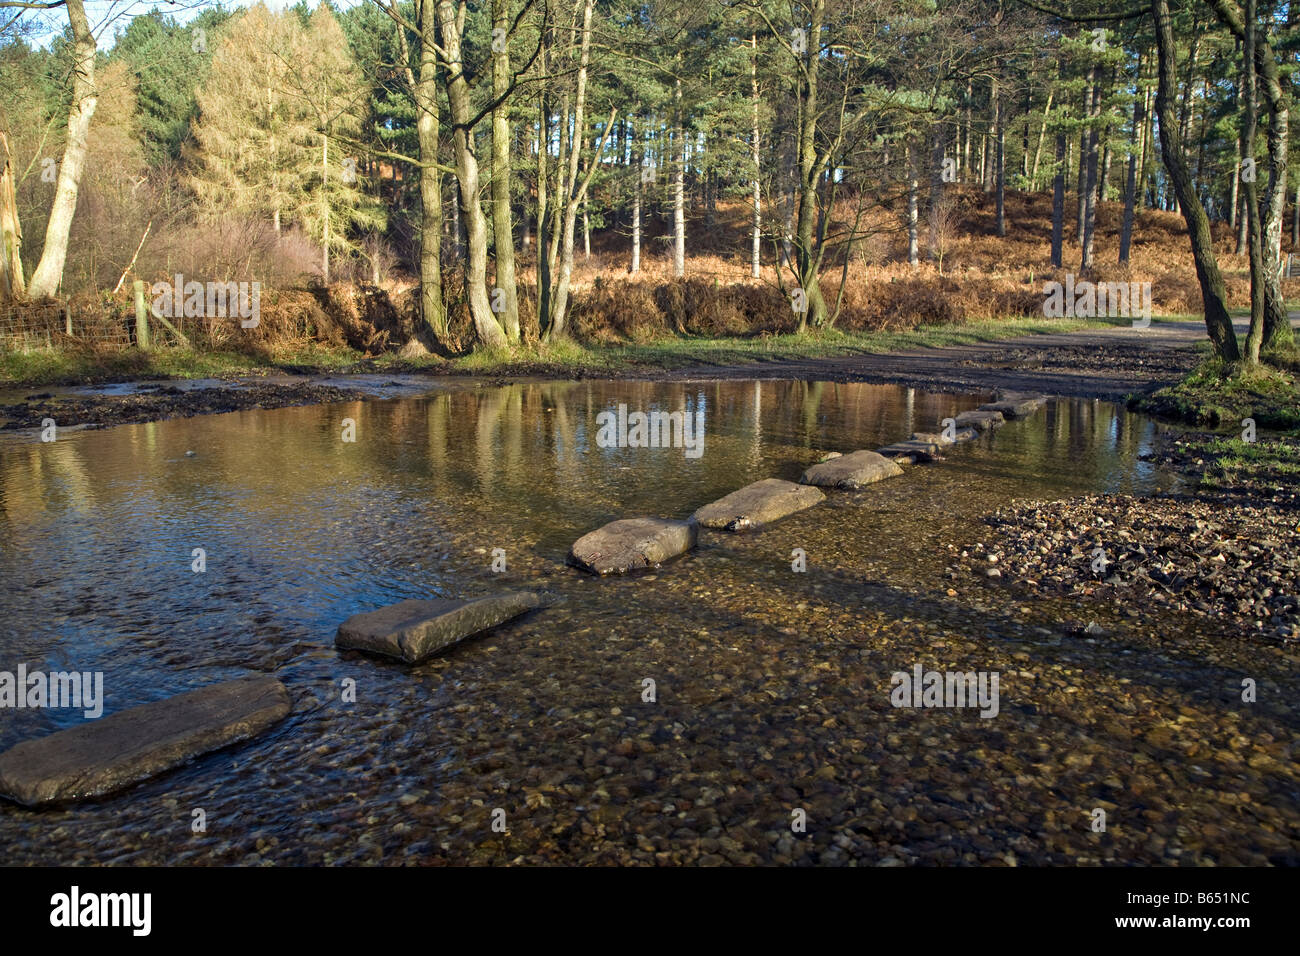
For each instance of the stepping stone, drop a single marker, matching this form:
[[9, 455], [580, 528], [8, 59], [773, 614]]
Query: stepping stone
[[981, 420], [852, 471], [1014, 407], [132, 745], [758, 504], [912, 451], [633, 543], [933, 438], [416, 629]]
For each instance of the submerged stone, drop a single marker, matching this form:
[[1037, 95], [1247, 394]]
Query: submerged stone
[[1014, 406], [942, 440], [982, 420], [132, 745], [632, 543], [852, 471], [911, 451], [414, 630], [758, 504]]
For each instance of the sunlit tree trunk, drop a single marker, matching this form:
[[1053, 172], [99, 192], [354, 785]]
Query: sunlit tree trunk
[[1249, 121], [502, 229], [11, 231], [432, 309], [679, 181], [1218, 322], [806, 258], [49, 271], [755, 267], [1090, 179], [488, 330]]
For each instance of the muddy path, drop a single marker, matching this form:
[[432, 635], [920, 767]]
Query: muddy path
[[1106, 364]]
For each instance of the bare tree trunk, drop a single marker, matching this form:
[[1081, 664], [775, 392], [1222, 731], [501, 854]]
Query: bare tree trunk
[[572, 192], [1148, 149], [503, 241], [965, 154], [457, 231], [1082, 185], [636, 212], [486, 327], [986, 168], [679, 182], [424, 89], [913, 252], [1130, 185], [1218, 322], [807, 259], [11, 231], [1277, 321], [1103, 186], [1024, 140], [787, 205], [325, 206], [1058, 200], [1243, 221], [1000, 170], [85, 95], [755, 265], [1249, 121], [1038, 150], [1090, 186], [1236, 197], [1295, 218]]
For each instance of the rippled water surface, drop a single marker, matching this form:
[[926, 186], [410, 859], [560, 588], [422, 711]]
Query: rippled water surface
[[765, 678]]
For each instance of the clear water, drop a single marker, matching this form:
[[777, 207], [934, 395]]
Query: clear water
[[302, 529]]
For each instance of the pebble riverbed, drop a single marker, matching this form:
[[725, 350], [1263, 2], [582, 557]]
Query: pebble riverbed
[[772, 687]]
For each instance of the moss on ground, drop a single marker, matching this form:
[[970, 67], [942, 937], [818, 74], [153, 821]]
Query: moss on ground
[[1218, 394]]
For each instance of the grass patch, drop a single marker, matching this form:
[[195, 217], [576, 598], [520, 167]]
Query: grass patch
[[1217, 393], [1232, 464]]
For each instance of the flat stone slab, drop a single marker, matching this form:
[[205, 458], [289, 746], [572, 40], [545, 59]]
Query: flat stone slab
[[855, 470], [758, 504], [980, 419], [416, 629], [1018, 407], [911, 451], [633, 543], [933, 438], [114, 752]]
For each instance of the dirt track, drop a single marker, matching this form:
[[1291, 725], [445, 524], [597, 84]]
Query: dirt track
[[1105, 363]]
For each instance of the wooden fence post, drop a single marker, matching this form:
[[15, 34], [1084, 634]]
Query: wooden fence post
[[141, 316], [67, 318]]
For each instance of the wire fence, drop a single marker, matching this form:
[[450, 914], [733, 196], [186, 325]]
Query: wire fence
[[54, 325]]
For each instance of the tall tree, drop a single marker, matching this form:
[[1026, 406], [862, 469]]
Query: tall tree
[[85, 95]]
